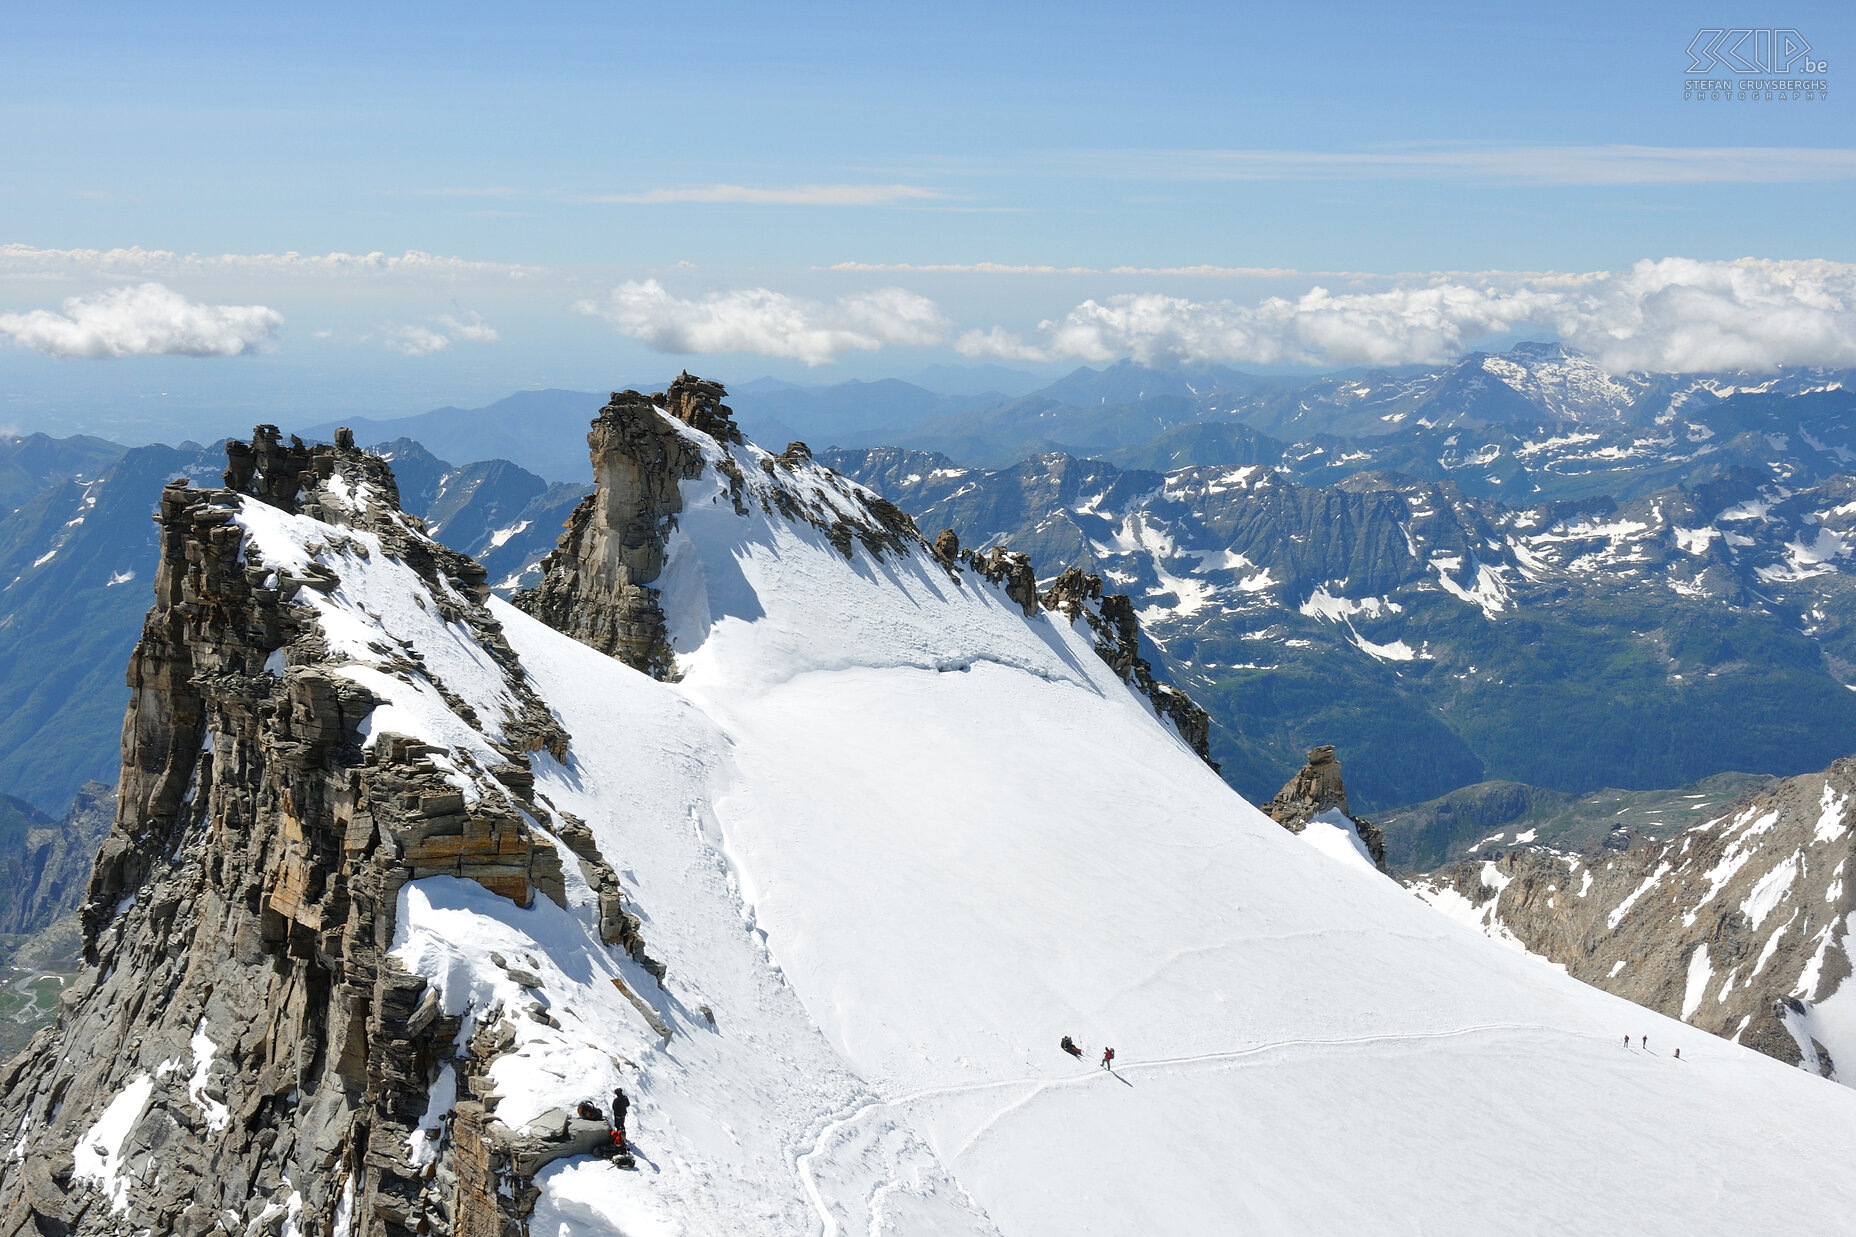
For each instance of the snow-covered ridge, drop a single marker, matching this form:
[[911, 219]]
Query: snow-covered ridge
[[891, 831], [702, 556]]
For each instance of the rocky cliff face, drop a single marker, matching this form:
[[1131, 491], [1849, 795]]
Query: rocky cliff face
[[1317, 790], [1737, 924], [596, 586], [241, 1053]]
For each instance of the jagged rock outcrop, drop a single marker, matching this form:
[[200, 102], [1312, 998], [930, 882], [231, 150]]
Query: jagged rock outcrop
[[241, 1052], [1737, 924], [1318, 788], [596, 586], [1078, 594], [1012, 572]]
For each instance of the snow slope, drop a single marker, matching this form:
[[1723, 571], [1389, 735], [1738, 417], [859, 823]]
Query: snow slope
[[898, 839]]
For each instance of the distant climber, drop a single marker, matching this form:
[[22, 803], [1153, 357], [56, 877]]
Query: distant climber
[[620, 1104], [1678, 1054], [1108, 1059], [1069, 1046], [1627, 1041], [1644, 1042]]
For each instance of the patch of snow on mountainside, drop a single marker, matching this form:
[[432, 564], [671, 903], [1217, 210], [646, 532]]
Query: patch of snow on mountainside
[[1832, 823], [1699, 973], [1334, 835], [1487, 592], [100, 1155], [1397, 650], [1325, 605]]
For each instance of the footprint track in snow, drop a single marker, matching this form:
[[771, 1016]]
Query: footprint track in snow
[[806, 1160]]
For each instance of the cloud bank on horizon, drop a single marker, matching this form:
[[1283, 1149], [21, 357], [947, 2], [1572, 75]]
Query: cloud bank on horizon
[[1673, 315], [1668, 315]]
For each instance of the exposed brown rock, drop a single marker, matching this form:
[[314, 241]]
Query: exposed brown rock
[[698, 404], [1634, 922], [596, 585], [1317, 788], [1012, 571]]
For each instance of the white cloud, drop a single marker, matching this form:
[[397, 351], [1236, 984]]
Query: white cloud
[[1403, 325], [1008, 268], [771, 323], [1681, 315], [416, 340], [999, 344], [964, 268], [778, 195], [144, 320], [27, 261], [469, 326], [1673, 315]]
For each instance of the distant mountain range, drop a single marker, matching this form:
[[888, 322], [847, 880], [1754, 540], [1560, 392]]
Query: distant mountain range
[[1526, 570], [1516, 405]]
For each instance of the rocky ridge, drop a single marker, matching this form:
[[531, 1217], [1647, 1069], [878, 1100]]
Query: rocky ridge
[[241, 1052], [1111, 618], [596, 585], [1738, 924], [599, 584]]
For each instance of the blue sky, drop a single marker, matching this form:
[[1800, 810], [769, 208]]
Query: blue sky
[[742, 156]]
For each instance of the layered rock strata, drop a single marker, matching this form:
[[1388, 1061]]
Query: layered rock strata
[[241, 1052], [1738, 923], [1318, 788]]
